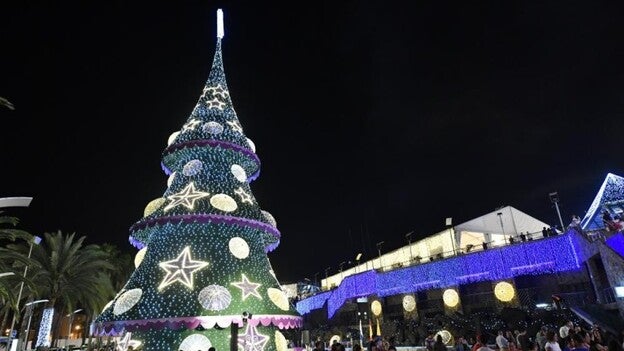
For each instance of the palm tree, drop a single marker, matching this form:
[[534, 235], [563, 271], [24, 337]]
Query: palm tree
[[9, 263], [69, 274]]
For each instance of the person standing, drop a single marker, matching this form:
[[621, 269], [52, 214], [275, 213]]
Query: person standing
[[552, 344], [502, 342], [439, 344]]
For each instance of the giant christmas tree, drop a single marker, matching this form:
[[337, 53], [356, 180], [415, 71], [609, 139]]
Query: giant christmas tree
[[202, 268]]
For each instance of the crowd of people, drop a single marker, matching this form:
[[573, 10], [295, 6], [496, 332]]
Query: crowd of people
[[568, 337]]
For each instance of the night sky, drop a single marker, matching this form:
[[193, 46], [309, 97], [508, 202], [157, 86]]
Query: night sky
[[372, 119]]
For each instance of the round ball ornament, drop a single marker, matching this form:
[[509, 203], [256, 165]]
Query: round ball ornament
[[223, 202], [127, 300], [170, 179], [192, 168], [280, 341], [239, 247], [212, 127], [195, 342], [214, 298], [504, 291], [376, 307], [269, 217], [138, 258], [450, 297], [409, 303], [172, 138], [239, 173], [153, 206], [279, 298], [251, 144], [447, 337]]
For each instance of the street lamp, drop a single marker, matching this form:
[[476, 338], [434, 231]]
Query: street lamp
[[500, 218], [379, 252], [554, 198], [71, 320], [408, 236], [35, 240], [30, 306]]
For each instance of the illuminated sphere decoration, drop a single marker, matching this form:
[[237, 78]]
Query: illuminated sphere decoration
[[504, 291], [239, 173], [212, 127], [138, 258], [252, 146], [279, 298], [239, 247], [447, 337], [172, 138], [450, 297], [223, 202], [280, 341], [170, 179], [409, 303], [195, 342], [153, 205], [127, 300], [192, 168], [269, 217], [214, 298], [376, 307]]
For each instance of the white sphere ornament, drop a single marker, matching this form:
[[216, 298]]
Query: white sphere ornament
[[170, 179], [223, 202], [138, 258], [239, 247], [281, 344], [376, 307], [195, 342], [239, 173], [450, 297], [127, 300], [153, 206], [212, 127], [269, 217], [279, 298], [192, 168], [504, 291], [214, 298], [172, 138], [409, 303], [251, 144]]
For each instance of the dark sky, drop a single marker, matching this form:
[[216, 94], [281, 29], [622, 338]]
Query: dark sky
[[371, 118]]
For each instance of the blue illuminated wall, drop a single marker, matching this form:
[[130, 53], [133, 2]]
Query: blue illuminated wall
[[551, 255]]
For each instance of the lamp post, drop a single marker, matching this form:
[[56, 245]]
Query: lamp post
[[554, 198], [379, 252], [30, 306], [408, 236], [500, 218], [71, 320], [36, 240]]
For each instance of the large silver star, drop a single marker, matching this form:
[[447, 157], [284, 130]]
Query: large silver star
[[186, 197], [181, 269], [247, 287], [251, 340]]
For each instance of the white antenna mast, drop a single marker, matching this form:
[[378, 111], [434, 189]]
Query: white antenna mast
[[220, 30]]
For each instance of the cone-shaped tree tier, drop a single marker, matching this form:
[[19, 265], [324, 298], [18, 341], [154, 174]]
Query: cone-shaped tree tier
[[203, 262]]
